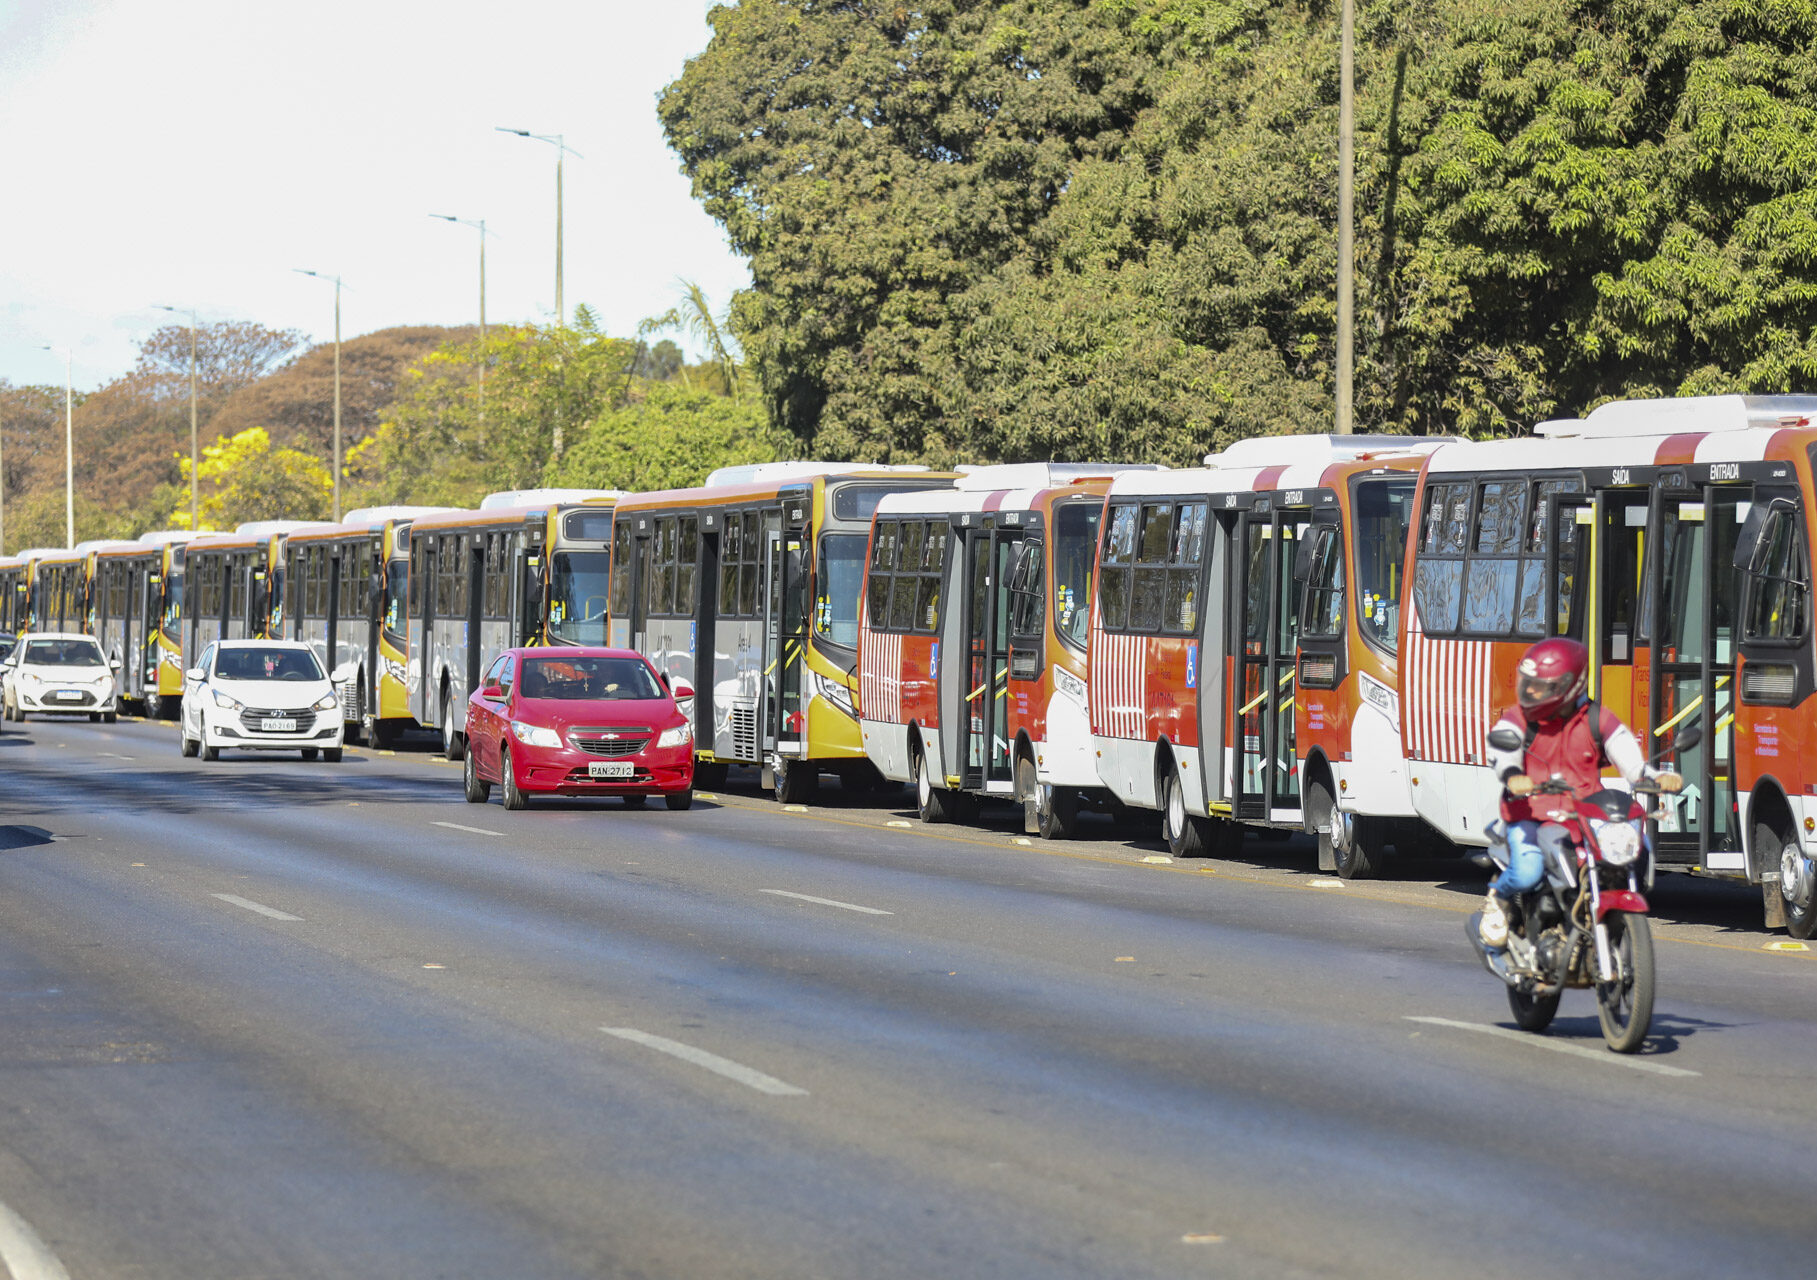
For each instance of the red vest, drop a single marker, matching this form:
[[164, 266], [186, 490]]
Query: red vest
[[1570, 748]]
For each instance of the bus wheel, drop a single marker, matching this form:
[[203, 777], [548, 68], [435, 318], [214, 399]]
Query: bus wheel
[[1185, 833], [454, 745], [932, 803], [1047, 811], [796, 781], [1797, 880]]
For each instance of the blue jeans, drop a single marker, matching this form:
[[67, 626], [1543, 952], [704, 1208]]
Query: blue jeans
[[1526, 864]]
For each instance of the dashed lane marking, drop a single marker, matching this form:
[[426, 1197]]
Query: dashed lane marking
[[259, 907], [747, 1076], [477, 831], [828, 902], [25, 1255], [1560, 1046]]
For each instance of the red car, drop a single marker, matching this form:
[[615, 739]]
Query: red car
[[579, 722]]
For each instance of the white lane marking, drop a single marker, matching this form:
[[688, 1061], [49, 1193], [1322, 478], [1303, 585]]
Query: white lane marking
[[25, 1255], [828, 902], [711, 1061], [250, 905], [478, 831], [1561, 1046], [113, 755]]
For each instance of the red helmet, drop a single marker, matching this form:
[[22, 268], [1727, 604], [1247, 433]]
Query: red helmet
[[1552, 676]]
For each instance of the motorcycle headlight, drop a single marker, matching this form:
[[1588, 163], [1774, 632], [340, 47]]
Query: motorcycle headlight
[[327, 702], [535, 735], [836, 693], [1618, 841], [679, 736], [227, 703]]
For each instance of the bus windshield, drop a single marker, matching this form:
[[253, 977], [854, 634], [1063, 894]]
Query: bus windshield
[[1075, 549], [577, 596], [1383, 509], [840, 579]]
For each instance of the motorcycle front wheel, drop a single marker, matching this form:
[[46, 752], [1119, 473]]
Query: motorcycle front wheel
[[1532, 1012], [1626, 1005]]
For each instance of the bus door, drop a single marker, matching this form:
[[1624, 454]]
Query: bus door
[[1265, 630], [974, 710], [147, 604], [785, 630], [1693, 603]]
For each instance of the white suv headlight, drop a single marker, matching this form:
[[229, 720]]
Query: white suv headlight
[[327, 702], [535, 735], [679, 736]]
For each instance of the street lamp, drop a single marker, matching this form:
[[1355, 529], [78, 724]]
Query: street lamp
[[193, 450], [561, 150], [1346, 371], [337, 384], [481, 225], [69, 445]]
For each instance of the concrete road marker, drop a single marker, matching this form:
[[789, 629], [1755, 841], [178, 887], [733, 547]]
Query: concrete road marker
[[1159, 858], [1785, 946]]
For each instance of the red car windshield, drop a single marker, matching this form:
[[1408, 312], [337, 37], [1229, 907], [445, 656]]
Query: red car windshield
[[588, 679]]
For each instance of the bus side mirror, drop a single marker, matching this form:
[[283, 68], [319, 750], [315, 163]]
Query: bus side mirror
[[1309, 554]]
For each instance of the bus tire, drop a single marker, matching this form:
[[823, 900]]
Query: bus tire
[[932, 804], [796, 781], [1047, 811], [1796, 878], [454, 743], [1349, 844], [1185, 833]]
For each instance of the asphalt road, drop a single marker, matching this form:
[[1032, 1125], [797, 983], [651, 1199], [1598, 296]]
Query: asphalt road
[[264, 1018]]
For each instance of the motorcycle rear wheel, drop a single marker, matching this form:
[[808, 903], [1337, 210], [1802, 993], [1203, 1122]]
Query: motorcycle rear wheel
[[1625, 1006], [1532, 1012]]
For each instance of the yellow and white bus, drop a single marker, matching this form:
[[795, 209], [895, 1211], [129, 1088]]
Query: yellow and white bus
[[529, 567], [747, 588]]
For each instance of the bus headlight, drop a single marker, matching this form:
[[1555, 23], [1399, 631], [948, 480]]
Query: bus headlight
[[836, 693], [1618, 841]]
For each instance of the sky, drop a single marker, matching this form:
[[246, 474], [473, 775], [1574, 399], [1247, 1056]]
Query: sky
[[194, 153]]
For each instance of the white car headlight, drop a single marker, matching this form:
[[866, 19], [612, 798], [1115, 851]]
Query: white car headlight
[[327, 702], [535, 735], [679, 736], [1619, 842], [227, 703], [836, 693]]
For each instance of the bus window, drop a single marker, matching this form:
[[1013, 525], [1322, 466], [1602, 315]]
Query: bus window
[[1777, 602], [1119, 553], [1625, 537], [578, 583], [836, 587], [1075, 544], [1324, 617], [1381, 512]]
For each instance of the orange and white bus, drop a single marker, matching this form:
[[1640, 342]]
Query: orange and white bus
[[1196, 646], [341, 590], [996, 575], [1673, 538], [747, 588], [529, 567]]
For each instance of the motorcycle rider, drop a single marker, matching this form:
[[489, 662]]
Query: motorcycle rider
[[1566, 736]]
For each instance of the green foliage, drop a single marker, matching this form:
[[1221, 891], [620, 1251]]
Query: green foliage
[[668, 437]]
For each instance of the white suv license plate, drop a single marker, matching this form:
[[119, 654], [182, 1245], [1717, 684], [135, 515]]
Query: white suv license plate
[[277, 726], [610, 768]]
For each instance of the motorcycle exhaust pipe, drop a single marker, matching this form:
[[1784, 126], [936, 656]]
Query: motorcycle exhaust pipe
[[1495, 962]]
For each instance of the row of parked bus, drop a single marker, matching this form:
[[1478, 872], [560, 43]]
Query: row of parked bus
[[1307, 633]]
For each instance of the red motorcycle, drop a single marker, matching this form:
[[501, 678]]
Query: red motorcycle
[[1585, 923]]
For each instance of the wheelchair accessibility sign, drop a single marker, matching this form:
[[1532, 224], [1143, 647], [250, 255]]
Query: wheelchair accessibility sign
[[1192, 665]]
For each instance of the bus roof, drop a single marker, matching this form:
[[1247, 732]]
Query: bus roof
[[165, 537], [538, 497], [397, 511], [1043, 475], [265, 528], [102, 544], [758, 473], [1318, 450]]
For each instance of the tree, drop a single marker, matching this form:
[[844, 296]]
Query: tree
[[693, 315], [244, 477], [667, 437]]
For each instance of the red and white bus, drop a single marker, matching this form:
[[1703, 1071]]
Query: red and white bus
[[1672, 537], [995, 574], [1196, 646]]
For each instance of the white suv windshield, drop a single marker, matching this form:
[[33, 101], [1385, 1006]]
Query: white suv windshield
[[64, 653], [267, 664]]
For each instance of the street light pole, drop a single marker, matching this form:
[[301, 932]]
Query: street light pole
[[1346, 371], [561, 150], [69, 445], [481, 224], [337, 384], [194, 460]]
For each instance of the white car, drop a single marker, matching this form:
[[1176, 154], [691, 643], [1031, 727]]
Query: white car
[[62, 672], [261, 695]]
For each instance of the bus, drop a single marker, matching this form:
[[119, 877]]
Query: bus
[[525, 569], [747, 588], [232, 581], [56, 590], [13, 587], [1672, 537], [1195, 652], [995, 573], [125, 604], [341, 590]]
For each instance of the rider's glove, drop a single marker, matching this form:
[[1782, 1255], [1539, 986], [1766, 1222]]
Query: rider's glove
[[1520, 785]]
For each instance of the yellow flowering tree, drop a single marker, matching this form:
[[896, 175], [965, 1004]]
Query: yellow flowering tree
[[242, 477]]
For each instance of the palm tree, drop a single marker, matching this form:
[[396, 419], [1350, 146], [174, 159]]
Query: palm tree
[[693, 315]]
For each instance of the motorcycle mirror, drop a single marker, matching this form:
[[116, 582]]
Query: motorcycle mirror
[[1687, 737], [1503, 738]]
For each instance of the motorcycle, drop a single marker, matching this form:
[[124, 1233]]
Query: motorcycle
[[1585, 923]]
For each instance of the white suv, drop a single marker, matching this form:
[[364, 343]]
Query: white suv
[[262, 695], [63, 672]]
